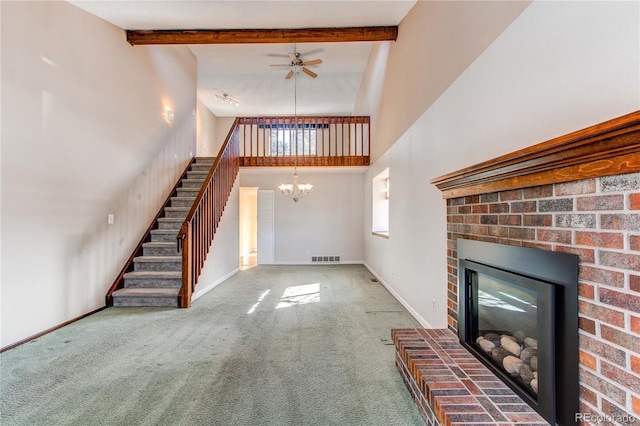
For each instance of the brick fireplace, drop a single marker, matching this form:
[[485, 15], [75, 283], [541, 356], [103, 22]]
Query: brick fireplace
[[599, 220], [586, 202]]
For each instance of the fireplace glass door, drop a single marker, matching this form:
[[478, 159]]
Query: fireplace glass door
[[507, 328], [510, 327], [518, 314]]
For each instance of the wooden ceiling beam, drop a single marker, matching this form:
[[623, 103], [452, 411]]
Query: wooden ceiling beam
[[252, 36]]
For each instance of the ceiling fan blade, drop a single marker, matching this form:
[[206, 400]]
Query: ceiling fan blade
[[309, 72], [294, 57], [312, 52], [289, 75], [277, 55], [280, 65], [313, 62]]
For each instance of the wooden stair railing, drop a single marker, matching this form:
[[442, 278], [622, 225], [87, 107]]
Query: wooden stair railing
[[200, 225], [146, 237]]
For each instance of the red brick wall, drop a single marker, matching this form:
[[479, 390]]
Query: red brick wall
[[599, 220]]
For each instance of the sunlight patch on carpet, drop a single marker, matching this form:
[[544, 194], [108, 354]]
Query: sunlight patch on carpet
[[300, 295]]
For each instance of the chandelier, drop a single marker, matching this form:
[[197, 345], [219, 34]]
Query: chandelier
[[295, 190]]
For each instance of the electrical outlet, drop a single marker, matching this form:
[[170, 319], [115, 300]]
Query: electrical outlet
[[433, 304], [308, 252], [110, 219]]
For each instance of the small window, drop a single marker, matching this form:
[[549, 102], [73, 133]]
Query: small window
[[284, 138], [380, 204]]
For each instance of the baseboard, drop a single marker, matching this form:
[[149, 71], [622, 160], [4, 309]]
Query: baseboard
[[200, 293], [49, 330], [424, 323]]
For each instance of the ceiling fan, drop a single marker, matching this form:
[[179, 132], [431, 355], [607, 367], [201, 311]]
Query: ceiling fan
[[298, 63]]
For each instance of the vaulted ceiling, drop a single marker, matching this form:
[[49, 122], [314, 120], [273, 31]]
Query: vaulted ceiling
[[244, 71]]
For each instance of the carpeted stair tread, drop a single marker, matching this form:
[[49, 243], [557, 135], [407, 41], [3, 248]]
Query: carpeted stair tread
[[170, 219], [183, 201], [157, 258], [149, 292], [203, 167], [161, 243], [164, 235], [197, 174], [157, 262], [161, 248], [191, 183], [191, 192], [170, 223], [154, 274], [164, 232], [180, 212], [153, 279]]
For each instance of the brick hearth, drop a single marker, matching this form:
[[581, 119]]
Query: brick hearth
[[451, 387]]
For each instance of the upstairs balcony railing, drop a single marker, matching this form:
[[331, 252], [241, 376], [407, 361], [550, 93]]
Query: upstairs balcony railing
[[315, 141]]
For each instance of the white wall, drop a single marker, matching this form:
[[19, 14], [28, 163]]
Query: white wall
[[206, 132], [211, 131], [83, 135], [437, 41], [222, 260], [223, 125], [327, 221], [559, 67]]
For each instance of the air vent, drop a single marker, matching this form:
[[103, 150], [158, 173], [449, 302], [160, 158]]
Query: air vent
[[327, 259]]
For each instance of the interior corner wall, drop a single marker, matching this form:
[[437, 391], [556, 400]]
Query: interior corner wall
[[222, 260], [83, 135], [325, 222], [437, 41], [223, 126], [559, 67], [206, 133]]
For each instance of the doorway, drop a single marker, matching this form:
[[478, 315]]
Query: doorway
[[248, 244]]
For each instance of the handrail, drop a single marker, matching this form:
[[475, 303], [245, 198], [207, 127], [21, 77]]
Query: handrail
[[118, 283], [305, 140], [199, 227]]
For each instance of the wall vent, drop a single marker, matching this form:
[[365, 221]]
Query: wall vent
[[325, 259]]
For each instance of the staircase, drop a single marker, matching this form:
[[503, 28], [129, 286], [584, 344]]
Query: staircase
[[157, 274]]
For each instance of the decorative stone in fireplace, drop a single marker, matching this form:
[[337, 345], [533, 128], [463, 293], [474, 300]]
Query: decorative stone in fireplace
[[517, 313]]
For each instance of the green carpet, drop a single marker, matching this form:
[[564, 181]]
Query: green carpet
[[273, 345]]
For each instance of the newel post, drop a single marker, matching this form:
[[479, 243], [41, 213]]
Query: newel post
[[186, 242]]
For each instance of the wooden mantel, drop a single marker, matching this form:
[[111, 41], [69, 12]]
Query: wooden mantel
[[608, 148]]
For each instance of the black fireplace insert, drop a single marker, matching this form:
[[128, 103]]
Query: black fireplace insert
[[517, 313]]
